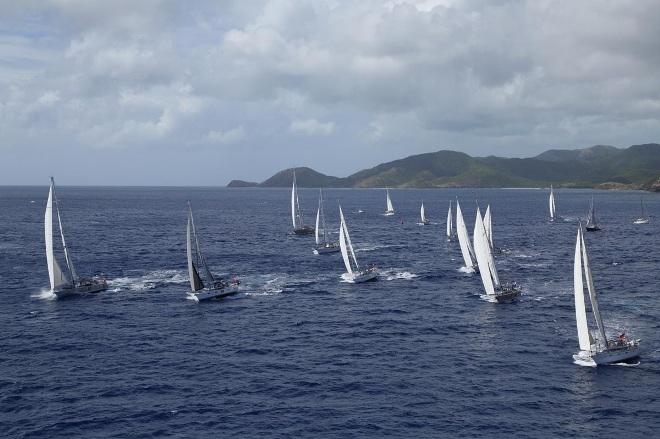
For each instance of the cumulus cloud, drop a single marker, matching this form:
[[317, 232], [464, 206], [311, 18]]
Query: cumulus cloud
[[311, 127], [506, 77]]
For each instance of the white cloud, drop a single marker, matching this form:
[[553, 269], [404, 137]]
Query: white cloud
[[312, 127], [231, 136]]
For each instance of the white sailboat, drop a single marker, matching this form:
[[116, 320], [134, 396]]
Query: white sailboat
[[450, 224], [422, 215], [299, 227], [464, 241], [390, 207], [551, 203], [204, 287], [592, 224], [644, 217], [594, 345], [323, 246], [489, 277], [353, 272], [64, 282]]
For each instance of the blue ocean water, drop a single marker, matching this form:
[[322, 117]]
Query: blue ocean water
[[299, 353]]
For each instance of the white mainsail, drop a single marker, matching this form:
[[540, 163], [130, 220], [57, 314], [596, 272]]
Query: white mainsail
[[390, 208], [592, 291], [488, 225], [294, 200], [450, 225], [578, 288], [551, 202], [464, 239], [482, 250], [344, 252], [55, 273], [316, 229], [421, 213]]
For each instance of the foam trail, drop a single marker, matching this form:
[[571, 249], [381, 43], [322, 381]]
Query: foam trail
[[488, 298], [46, 294], [466, 270], [406, 275]]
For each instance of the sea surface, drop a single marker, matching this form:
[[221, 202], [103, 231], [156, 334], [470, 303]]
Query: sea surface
[[300, 353]]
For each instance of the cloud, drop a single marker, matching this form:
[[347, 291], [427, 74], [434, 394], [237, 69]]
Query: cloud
[[311, 127], [233, 135]]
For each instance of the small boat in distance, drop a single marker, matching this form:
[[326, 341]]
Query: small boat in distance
[[353, 272], [592, 224], [644, 217], [390, 208], [450, 224], [424, 220], [214, 288], [64, 282], [595, 346], [489, 277], [299, 227], [464, 241], [322, 246], [551, 202]]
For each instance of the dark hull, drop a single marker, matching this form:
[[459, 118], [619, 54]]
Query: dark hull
[[304, 230], [592, 228]]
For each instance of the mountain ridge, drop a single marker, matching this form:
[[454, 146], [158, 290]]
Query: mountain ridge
[[599, 166]]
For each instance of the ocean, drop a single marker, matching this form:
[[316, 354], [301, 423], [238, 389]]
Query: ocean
[[300, 353]]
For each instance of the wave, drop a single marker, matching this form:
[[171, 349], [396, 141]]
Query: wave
[[466, 270], [394, 275], [583, 361], [45, 293], [488, 298], [149, 280]]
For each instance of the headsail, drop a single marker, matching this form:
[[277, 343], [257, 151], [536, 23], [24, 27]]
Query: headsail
[[551, 202], [348, 238], [591, 219], [482, 249], [196, 283], [201, 260], [294, 198], [488, 225], [316, 229], [578, 288], [592, 291], [464, 239], [390, 207], [55, 274], [421, 213]]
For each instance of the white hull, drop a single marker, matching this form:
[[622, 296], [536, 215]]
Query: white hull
[[93, 287], [389, 213], [208, 294], [609, 356], [362, 276], [324, 250], [641, 221]]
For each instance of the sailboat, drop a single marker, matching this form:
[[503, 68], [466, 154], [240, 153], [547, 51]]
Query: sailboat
[[424, 220], [489, 277], [594, 345], [390, 208], [450, 224], [204, 287], [551, 203], [592, 224], [644, 214], [64, 282], [353, 272], [464, 241], [322, 244], [299, 227]]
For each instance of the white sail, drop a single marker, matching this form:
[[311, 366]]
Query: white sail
[[56, 276], [390, 208], [578, 289], [348, 238], [449, 222], [464, 239], [294, 198], [316, 231], [342, 246], [421, 213], [488, 225], [482, 249], [551, 202], [592, 292]]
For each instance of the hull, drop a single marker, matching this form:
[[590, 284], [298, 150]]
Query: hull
[[304, 230], [425, 223], [219, 293], [592, 228], [641, 221], [93, 286], [507, 295], [616, 355], [389, 213], [364, 276], [326, 249]]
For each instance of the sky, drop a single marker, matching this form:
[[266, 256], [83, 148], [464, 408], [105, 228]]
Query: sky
[[158, 92]]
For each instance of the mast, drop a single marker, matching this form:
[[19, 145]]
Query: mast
[[592, 293], [578, 288], [67, 257]]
